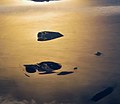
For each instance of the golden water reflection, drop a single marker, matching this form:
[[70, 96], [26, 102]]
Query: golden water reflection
[[81, 30]]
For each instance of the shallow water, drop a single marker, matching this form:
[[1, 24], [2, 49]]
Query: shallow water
[[87, 27]]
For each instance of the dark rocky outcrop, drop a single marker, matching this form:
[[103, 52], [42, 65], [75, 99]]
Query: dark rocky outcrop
[[48, 35], [65, 72]]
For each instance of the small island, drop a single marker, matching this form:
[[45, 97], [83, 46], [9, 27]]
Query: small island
[[43, 0], [45, 66], [48, 35], [40, 0]]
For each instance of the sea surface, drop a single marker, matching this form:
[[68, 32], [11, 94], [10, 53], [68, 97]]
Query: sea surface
[[88, 26]]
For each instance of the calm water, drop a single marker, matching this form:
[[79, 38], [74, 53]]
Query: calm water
[[88, 26]]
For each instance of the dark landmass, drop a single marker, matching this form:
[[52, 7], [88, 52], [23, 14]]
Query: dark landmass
[[47, 73], [75, 68], [47, 67], [65, 72], [43, 0], [102, 94], [98, 53], [26, 75], [40, 0], [52, 65], [30, 68], [48, 35]]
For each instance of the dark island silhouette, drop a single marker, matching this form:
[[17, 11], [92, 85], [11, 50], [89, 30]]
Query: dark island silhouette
[[48, 35], [98, 53], [46, 67], [26, 75], [30, 68], [43, 0], [102, 94], [65, 72]]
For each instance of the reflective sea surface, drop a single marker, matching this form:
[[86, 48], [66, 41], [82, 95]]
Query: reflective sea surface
[[87, 25]]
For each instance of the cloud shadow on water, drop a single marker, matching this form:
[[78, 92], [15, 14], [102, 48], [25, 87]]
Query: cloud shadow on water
[[7, 86], [102, 94], [105, 2]]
